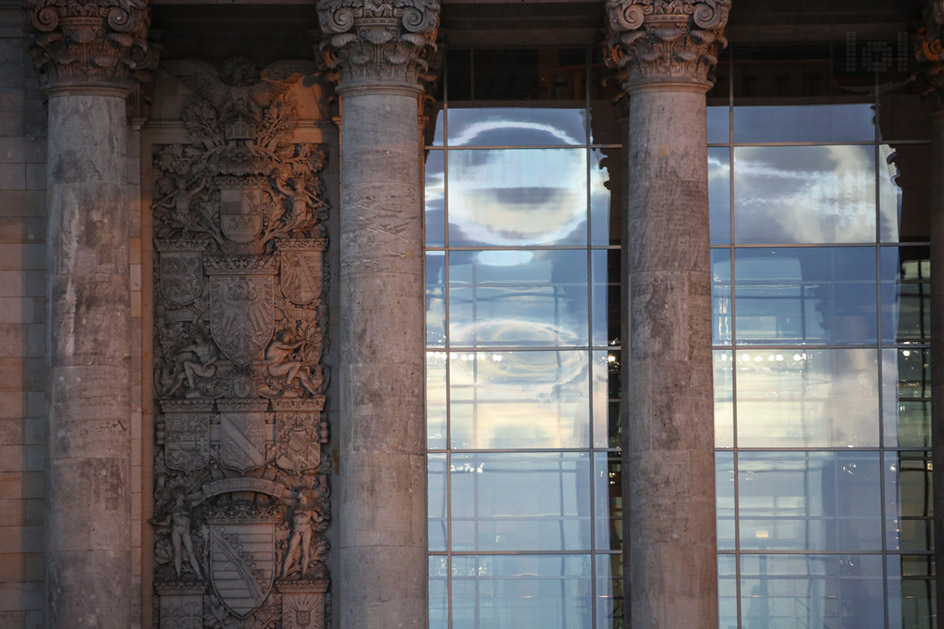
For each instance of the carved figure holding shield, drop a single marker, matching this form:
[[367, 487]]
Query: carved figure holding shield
[[179, 520], [305, 514]]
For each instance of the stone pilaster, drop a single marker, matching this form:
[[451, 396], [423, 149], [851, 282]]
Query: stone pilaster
[[664, 54], [377, 50], [929, 50], [85, 53]]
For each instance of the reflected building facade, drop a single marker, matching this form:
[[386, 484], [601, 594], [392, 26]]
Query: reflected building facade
[[278, 234]]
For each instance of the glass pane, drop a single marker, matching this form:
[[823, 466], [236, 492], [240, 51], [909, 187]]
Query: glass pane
[[437, 517], [436, 400], [723, 361], [721, 296], [910, 501], [719, 124], [906, 294], [607, 302], [911, 594], [523, 501], [518, 298], [805, 123], [606, 196], [530, 74], [804, 194], [608, 510], [606, 392], [906, 397], [550, 592], [517, 197], [724, 493], [435, 298], [810, 501], [727, 592], [805, 295], [807, 398], [516, 126], [438, 592], [435, 199], [534, 399], [719, 194], [438, 123], [610, 592], [905, 191], [794, 592]]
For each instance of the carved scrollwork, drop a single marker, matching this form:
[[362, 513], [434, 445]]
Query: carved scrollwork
[[369, 42], [665, 41], [97, 42]]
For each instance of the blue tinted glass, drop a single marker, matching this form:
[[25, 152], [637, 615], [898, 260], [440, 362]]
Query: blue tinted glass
[[804, 194], [435, 299], [727, 592], [906, 294], [437, 515], [610, 591], [721, 296], [436, 399], [516, 126], [804, 123], [723, 363], [519, 502], [608, 497], [518, 298], [438, 592], [906, 397], [909, 501], [517, 197], [607, 304], [719, 124], [810, 501], [719, 194], [435, 199], [724, 492], [804, 295], [790, 591], [606, 196]]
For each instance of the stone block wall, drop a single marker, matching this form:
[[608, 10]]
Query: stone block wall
[[23, 371]]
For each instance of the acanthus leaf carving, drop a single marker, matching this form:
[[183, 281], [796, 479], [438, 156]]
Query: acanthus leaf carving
[[665, 41], [378, 42], [92, 42]]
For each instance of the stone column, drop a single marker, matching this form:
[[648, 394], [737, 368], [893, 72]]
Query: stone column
[[377, 50], [84, 52], [929, 50], [664, 54]]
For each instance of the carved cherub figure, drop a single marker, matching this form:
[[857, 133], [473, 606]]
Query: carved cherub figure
[[282, 363]]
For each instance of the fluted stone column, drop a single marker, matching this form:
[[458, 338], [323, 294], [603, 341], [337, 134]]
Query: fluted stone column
[[84, 52], [377, 49], [929, 48], [664, 54]]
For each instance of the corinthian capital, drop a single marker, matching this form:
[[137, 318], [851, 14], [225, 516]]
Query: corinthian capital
[[378, 42], [665, 41], [94, 43]]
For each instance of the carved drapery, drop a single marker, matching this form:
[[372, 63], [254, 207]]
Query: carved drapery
[[97, 43], [241, 490], [665, 41], [369, 42]]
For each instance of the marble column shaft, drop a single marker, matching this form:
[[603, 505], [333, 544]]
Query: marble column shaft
[[88, 475], [383, 464], [668, 446]]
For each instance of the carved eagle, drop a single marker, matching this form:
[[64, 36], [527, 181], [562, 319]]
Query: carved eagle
[[238, 84]]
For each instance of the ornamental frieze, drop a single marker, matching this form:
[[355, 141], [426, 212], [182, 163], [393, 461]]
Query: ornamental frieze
[[367, 42], [88, 42], [241, 493], [665, 41]]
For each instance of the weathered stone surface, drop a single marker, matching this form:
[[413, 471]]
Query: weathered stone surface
[[241, 486], [668, 435]]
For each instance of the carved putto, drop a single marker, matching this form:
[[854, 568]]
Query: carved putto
[[241, 491], [99, 42], [665, 41], [378, 41]]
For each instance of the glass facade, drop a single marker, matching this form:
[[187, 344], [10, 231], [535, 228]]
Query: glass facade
[[820, 298]]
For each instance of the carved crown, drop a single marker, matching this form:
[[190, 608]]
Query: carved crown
[[378, 42], [93, 43], [665, 41]]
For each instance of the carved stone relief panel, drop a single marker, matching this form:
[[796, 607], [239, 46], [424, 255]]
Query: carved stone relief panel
[[241, 490]]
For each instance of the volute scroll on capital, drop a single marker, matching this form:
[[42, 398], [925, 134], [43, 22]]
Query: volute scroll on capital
[[92, 43], [665, 41], [378, 43]]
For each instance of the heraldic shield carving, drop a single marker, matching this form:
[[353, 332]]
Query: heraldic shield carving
[[241, 495]]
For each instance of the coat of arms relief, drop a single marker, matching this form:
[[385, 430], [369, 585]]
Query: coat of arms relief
[[241, 495]]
